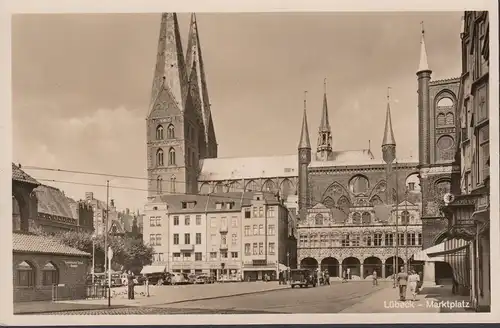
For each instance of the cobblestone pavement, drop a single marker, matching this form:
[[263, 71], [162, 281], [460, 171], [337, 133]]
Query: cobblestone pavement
[[323, 299]]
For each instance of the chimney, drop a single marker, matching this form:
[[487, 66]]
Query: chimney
[[112, 203], [89, 196]]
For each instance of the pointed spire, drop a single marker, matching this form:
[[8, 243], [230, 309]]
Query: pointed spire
[[388, 132], [325, 123], [304, 143], [423, 66], [170, 72], [194, 62]]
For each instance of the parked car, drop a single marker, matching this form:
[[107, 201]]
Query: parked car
[[202, 279], [302, 278], [138, 280], [179, 278], [159, 278]]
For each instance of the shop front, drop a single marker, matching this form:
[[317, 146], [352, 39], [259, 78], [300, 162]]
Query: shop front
[[469, 218], [259, 270]]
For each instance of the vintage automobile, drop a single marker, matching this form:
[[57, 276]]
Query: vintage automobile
[[303, 278]]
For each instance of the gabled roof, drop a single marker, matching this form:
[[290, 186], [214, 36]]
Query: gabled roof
[[30, 243], [229, 168], [116, 227], [52, 201], [21, 176]]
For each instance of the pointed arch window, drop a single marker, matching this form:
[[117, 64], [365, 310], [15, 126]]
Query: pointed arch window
[[356, 218], [329, 202], [50, 274], [405, 217], [366, 218], [171, 132], [171, 156], [25, 274], [159, 132], [441, 119], [158, 184], [159, 157], [318, 220], [450, 119], [172, 184]]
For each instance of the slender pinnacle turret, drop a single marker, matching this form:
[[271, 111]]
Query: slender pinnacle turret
[[305, 142], [324, 145], [388, 132], [389, 142], [170, 72], [423, 65], [424, 104]]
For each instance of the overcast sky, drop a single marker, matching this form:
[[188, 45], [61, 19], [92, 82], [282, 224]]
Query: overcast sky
[[81, 85]]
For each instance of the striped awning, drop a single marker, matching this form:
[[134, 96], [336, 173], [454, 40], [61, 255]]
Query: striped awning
[[437, 252]]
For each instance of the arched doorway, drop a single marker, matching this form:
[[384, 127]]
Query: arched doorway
[[389, 266], [331, 265], [371, 264], [354, 266], [309, 263]]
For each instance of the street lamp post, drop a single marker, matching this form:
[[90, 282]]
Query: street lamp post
[[93, 258], [406, 229], [287, 266]]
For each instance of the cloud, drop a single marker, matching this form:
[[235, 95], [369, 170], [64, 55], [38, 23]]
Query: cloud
[[108, 141]]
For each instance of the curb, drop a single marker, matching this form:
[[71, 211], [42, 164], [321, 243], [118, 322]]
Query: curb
[[217, 297], [73, 310]]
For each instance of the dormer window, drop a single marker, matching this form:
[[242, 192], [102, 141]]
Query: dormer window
[[218, 206], [184, 205], [411, 186], [229, 206]]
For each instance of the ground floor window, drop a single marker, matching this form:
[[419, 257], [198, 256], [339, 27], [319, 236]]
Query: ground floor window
[[50, 275], [25, 274]]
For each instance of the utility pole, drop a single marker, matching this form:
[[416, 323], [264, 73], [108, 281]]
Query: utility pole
[[396, 258], [406, 228], [106, 268]]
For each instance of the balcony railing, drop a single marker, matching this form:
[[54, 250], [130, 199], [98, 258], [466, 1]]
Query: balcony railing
[[186, 247], [223, 229], [223, 246]]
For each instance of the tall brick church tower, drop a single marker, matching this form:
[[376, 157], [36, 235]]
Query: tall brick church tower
[[437, 137], [180, 130]]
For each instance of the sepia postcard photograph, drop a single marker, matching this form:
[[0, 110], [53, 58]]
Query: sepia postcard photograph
[[269, 163]]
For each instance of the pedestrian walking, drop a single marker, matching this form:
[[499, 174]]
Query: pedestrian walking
[[344, 276], [130, 285], [281, 282], [348, 273], [413, 280], [402, 279], [375, 278]]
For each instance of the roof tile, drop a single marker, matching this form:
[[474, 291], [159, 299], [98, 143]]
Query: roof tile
[[21, 176], [30, 243]]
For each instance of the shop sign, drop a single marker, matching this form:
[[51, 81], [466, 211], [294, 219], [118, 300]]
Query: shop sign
[[73, 264]]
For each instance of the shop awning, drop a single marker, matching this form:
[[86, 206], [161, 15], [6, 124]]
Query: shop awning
[[153, 269], [437, 252]]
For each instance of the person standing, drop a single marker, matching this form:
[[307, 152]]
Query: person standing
[[130, 285], [402, 279], [413, 280], [375, 278], [348, 273]]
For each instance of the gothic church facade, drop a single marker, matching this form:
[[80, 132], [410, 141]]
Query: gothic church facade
[[347, 200]]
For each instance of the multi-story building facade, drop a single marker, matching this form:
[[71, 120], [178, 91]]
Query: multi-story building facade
[[468, 206], [206, 233], [99, 208], [265, 236], [55, 212]]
